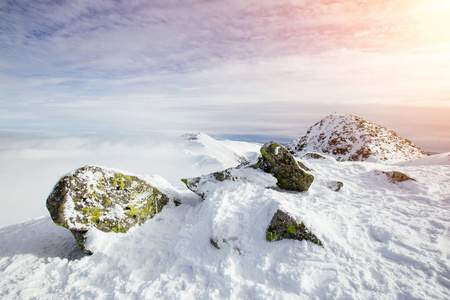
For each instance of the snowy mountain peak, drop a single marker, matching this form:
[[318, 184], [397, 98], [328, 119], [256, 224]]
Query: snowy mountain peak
[[197, 136], [351, 138], [220, 153]]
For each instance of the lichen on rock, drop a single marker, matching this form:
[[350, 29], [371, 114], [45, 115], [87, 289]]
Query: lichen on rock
[[279, 162], [283, 226], [96, 197]]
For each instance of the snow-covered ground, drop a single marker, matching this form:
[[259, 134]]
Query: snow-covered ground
[[381, 240], [32, 163]]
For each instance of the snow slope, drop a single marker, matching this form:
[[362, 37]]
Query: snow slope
[[437, 159], [31, 163], [381, 241], [351, 138], [210, 151]]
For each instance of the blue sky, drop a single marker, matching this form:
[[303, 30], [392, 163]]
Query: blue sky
[[228, 68]]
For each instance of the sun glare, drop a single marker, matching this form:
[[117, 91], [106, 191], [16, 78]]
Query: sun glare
[[434, 20], [437, 6]]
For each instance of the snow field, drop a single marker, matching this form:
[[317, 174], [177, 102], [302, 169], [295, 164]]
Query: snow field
[[381, 241]]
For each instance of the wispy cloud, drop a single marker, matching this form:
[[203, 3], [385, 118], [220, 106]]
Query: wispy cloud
[[216, 65]]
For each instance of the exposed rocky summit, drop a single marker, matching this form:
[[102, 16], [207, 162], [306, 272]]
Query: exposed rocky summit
[[279, 162], [351, 138], [283, 226], [95, 197]]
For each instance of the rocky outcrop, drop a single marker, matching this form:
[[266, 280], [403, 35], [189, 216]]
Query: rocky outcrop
[[275, 160], [395, 176], [95, 197], [351, 138], [279, 162], [283, 226]]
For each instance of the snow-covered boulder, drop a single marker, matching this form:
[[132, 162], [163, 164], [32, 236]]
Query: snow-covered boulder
[[283, 226], [96, 197], [351, 138], [206, 184], [278, 161]]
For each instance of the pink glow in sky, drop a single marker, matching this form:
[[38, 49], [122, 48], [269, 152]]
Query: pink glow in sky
[[254, 67]]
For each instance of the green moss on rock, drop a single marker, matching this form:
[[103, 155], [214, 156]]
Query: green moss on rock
[[278, 161], [104, 199], [282, 226]]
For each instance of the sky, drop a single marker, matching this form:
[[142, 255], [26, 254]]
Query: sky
[[253, 69]]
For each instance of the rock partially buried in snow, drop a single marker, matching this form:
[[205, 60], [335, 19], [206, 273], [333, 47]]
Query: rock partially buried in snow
[[95, 197], [395, 176], [313, 155], [206, 184], [335, 185], [283, 226], [278, 161]]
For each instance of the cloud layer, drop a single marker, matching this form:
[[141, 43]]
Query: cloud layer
[[223, 67]]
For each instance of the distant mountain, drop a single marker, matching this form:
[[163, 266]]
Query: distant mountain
[[351, 138]]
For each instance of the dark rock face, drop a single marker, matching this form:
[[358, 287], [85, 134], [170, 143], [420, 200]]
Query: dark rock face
[[95, 197], [282, 226], [395, 176], [278, 161]]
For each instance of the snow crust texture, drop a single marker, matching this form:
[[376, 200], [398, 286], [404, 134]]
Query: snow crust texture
[[351, 138], [381, 241]]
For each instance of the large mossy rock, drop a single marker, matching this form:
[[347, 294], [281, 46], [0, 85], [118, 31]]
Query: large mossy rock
[[283, 226], [95, 197], [278, 161]]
